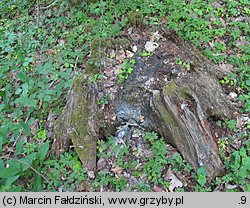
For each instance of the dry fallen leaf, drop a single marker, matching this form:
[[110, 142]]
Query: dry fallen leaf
[[241, 42], [101, 164], [91, 174], [117, 170], [232, 95], [129, 54], [134, 48], [163, 20], [157, 189], [240, 123], [120, 56], [83, 186], [151, 46], [174, 183], [229, 186], [155, 37]]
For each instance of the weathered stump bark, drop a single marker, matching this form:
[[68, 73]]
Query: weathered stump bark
[[77, 124], [159, 95]]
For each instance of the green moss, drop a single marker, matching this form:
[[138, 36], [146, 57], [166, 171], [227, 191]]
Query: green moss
[[82, 139], [173, 89], [78, 83], [170, 88], [92, 68], [135, 19], [166, 115], [186, 93]]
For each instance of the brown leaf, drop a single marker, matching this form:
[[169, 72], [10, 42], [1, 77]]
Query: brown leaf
[[91, 174], [101, 164], [117, 170], [174, 183], [240, 123], [163, 20], [151, 46], [84, 186], [157, 189]]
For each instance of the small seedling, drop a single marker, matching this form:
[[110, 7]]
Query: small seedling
[[96, 78], [104, 100], [202, 173], [227, 81], [126, 70], [145, 53], [182, 63]]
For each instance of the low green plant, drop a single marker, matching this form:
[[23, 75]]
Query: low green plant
[[120, 183], [186, 65], [101, 179], [201, 176], [236, 164], [154, 166], [65, 174], [199, 188], [130, 165], [145, 53], [96, 78], [41, 56], [231, 124], [101, 147], [41, 134], [142, 186], [109, 180], [179, 165], [245, 98], [126, 70], [120, 154], [27, 162], [227, 81], [239, 165], [104, 100], [248, 125]]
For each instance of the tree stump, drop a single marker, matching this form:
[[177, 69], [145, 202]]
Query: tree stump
[[174, 91]]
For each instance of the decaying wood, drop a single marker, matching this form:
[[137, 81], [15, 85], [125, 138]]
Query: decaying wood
[[77, 124], [160, 96]]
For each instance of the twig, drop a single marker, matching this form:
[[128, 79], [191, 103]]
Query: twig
[[37, 13], [47, 7], [51, 84], [25, 163]]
